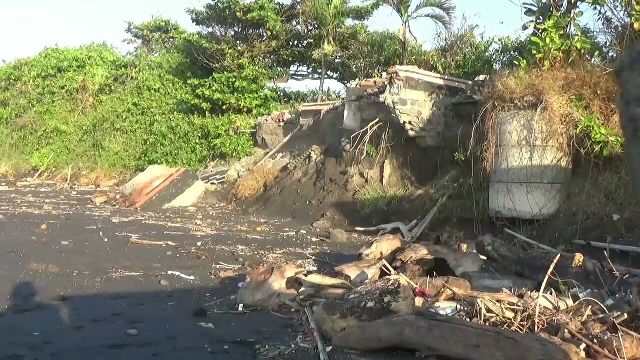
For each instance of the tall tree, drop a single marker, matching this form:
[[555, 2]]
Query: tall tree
[[326, 19], [439, 11], [266, 31]]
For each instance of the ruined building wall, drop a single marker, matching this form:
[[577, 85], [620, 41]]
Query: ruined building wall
[[432, 108]]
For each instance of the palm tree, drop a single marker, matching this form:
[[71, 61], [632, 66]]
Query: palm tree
[[440, 11], [327, 18]]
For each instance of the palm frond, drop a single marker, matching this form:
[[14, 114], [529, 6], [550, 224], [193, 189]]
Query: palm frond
[[438, 18], [401, 7], [440, 11], [445, 7]]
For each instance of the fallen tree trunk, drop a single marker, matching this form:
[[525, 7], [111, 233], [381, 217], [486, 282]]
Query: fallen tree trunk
[[451, 338]]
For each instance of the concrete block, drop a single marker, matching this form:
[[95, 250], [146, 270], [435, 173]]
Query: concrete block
[[168, 190], [190, 196], [352, 119], [151, 177]]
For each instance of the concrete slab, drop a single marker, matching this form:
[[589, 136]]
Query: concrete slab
[[150, 178], [190, 196], [168, 190]]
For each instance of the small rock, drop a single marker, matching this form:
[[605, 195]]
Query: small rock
[[321, 224], [43, 226], [64, 242], [132, 332], [168, 253], [615, 217], [200, 312], [163, 282], [338, 235]]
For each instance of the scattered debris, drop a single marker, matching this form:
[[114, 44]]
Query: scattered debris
[[360, 272], [322, 350], [383, 247], [267, 285], [413, 230], [608, 246], [133, 240], [177, 273], [123, 273], [206, 325]]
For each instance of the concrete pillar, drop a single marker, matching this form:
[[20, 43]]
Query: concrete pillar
[[352, 115]]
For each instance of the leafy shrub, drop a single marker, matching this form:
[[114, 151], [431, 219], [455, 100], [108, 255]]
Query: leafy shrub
[[460, 53], [598, 138], [241, 91], [305, 96], [94, 107]]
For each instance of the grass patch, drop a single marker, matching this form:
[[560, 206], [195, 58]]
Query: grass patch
[[255, 182], [376, 201]]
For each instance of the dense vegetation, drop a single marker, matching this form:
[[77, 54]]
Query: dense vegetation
[[183, 98]]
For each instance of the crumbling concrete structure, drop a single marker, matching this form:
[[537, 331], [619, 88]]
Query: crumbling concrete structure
[[434, 109], [429, 106]]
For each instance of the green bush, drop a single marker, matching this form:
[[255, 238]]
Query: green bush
[[597, 139], [93, 107], [305, 96], [460, 53]]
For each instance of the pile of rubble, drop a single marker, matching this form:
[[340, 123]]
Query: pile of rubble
[[396, 296]]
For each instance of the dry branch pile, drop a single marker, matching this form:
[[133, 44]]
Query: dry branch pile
[[370, 304]]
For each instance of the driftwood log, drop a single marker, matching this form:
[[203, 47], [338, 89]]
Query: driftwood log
[[452, 338], [267, 286], [359, 272], [383, 247], [514, 259], [386, 297], [459, 262]]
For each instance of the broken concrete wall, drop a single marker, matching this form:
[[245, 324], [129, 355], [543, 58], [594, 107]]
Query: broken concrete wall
[[433, 108]]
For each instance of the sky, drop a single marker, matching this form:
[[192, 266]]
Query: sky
[[28, 26]]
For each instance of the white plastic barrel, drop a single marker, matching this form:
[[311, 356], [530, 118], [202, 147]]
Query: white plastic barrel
[[530, 169]]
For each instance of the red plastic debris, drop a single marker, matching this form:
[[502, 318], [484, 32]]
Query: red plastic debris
[[421, 292]]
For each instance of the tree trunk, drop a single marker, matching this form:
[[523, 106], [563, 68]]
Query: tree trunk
[[628, 73], [452, 338], [322, 76], [405, 46]]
